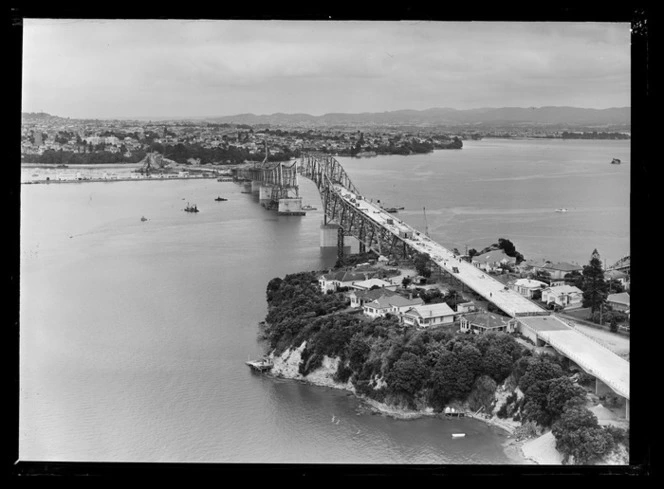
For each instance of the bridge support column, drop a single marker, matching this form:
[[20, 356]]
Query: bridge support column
[[255, 187], [363, 247], [291, 207], [601, 388], [264, 194], [329, 238]]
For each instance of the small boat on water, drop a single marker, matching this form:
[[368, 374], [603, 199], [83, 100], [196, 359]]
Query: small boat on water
[[220, 199], [191, 208], [458, 435], [615, 161], [562, 209], [391, 210], [308, 208], [144, 218], [261, 365]]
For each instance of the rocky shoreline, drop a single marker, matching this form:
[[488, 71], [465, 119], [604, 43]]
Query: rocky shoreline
[[286, 366]]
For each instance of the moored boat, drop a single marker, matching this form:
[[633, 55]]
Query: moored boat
[[615, 161], [261, 365]]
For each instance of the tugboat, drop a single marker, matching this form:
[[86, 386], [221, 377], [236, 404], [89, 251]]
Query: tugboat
[[615, 161], [220, 199], [191, 208]]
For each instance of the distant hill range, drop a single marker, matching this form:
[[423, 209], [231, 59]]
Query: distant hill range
[[505, 116], [572, 116]]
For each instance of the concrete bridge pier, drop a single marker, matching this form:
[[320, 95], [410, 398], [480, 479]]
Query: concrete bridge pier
[[255, 187], [329, 235], [264, 194], [601, 388], [291, 207]]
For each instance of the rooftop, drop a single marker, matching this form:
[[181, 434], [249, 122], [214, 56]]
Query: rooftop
[[622, 298], [431, 310]]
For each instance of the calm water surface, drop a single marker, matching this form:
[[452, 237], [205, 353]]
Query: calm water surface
[[134, 334]]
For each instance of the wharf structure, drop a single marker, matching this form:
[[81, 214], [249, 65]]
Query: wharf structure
[[348, 213]]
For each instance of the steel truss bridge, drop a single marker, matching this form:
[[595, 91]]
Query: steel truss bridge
[[378, 230]]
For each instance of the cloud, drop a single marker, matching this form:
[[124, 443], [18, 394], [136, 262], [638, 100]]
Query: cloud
[[322, 66]]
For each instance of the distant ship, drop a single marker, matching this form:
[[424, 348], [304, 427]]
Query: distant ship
[[220, 199], [191, 208], [615, 161], [562, 209], [144, 218]]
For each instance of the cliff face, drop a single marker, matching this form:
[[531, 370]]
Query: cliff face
[[287, 365]]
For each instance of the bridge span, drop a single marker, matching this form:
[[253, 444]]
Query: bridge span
[[384, 233]]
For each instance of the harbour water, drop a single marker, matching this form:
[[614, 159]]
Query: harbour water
[[134, 335]]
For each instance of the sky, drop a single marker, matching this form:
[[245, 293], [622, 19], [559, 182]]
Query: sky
[[198, 68]]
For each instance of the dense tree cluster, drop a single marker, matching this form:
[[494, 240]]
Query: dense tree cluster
[[383, 359]]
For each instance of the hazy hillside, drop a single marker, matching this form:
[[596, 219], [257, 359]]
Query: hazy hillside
[[445, 116], [505, 116]]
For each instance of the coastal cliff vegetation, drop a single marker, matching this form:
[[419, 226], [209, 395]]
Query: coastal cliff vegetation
[[430, 369]]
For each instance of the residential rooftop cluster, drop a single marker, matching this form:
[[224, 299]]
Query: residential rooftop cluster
[[205, 142]]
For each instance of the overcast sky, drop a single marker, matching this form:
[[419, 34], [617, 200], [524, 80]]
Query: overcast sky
[[126, 68]]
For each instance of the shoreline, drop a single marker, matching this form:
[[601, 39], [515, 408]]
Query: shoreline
[[322, 377]]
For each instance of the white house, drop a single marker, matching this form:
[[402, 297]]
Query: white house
[[492, 260], [527, 287], [482, 322], [359, 297], [393, 305], [563, 295], [619, 302], [332, 281], [617, 275], [428, 315]]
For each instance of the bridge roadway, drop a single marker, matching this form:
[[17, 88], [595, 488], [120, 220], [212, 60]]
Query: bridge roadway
[[594, 358], [491, 289]]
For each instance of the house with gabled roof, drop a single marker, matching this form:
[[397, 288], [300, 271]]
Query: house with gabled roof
[[481, 322], [566, 296], [390, 305], [492, 260], [374, 282], [333, 281], [619, 302], [428, 315], [560, 269], [359, 297]]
